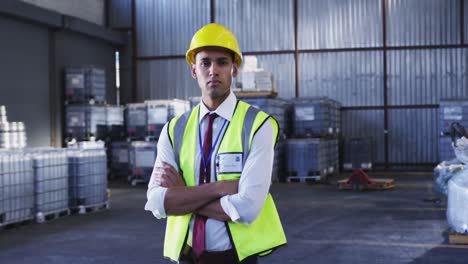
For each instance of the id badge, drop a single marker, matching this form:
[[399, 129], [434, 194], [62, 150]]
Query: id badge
[[229, 162]]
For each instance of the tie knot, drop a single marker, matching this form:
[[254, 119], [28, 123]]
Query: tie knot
[[211, 117]]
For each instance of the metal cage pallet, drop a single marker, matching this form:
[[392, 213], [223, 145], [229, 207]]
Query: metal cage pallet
[[311, 157], [51, 175], [358, 153], [16, 187], [142, 155], [135, 120], [91, 208], [85, 84], [85, 121], [316, 116], [88, 176], [119, 160], [159, 112], [277, 108], [452, 111], [49, 216]]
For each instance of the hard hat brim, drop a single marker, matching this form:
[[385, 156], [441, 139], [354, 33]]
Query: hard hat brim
[[190, 55]]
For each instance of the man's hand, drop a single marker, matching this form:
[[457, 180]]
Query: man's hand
[[168, 177], [228, 187], [181, 200]]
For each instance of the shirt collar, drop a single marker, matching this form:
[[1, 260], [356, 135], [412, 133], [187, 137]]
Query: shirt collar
[[224, 110]]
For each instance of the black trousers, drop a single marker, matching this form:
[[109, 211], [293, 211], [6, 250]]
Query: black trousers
[[224, 257]]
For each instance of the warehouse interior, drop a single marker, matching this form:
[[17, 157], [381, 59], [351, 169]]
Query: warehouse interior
[[371, 97]]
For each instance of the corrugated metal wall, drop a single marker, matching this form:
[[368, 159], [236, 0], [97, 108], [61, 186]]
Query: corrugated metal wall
[[261, 25], [126, 63], [282, 67], [166, 27], [412, 135], [465, 20], [426, 76], [170, 78], [25, 78], [339, 24], [167, 79], [90, 10], [120, 13], [174, 22], [352, 78], [365, 124], [415, 77], [423, 22]]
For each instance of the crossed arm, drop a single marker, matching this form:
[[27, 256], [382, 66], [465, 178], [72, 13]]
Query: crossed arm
[[203, 199], [241, 200]]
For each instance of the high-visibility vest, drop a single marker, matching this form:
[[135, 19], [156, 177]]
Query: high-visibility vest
[[266, 232]]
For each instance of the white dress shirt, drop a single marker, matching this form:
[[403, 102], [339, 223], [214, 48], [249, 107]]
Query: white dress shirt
[[254, 184]]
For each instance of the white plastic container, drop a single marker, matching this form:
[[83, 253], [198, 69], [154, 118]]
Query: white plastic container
[[457, 204], [5, 135], [3, 115]]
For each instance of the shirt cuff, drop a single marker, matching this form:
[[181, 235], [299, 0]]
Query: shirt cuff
[[229, 209], [155, 203]]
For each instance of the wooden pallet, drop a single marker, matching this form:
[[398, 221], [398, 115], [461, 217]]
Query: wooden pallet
[[377, 184], [458, 238], [268, 94]]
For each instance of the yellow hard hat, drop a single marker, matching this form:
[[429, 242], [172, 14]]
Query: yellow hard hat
[[213, 35]]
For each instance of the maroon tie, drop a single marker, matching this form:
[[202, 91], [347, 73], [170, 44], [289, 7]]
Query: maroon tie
[[204, 177]]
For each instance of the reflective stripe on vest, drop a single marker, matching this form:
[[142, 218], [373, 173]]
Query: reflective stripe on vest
[[266, 232]]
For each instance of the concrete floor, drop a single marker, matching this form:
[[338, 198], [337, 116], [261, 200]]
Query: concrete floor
[[323, 225]]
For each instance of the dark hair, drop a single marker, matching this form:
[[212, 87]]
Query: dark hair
[[233, 54]]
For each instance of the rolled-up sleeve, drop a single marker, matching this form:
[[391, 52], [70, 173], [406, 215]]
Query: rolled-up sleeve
[[255, 181], [156, 193]]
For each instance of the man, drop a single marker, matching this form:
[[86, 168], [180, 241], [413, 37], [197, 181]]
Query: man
[[213, 170]]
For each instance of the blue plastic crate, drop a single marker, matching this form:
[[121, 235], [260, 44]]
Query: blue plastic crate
[[159, 112], [119, 164], [114, 115], [85, 121], [142, 156], [96, 83], [17, 187], [50, 167], [83, 84], [88, 176], [307, 157], [279, 166], [277, 108], [358, 153], [332, 155], [75, 84], [115, 122], [452, 111], [316, 116], [90, 194], [135, 120]]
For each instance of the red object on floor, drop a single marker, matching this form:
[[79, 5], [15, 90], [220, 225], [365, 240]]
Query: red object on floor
[[359, 177], [360, 181]]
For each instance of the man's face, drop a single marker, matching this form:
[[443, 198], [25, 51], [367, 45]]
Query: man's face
[[214, 69]]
